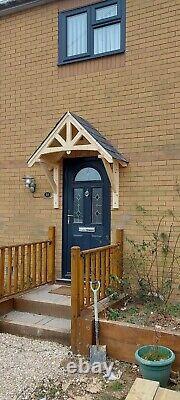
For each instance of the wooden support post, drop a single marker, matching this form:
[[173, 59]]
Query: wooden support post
[[56, 180], [116, 261], [9, 276], [29, 265], [75, 295], [120, 241], [51, 255], [114, 267], [116, 182], [87, 279], [2, 266], [39, 264], [16, 256], [113, 175], [34, 265], [81, 283], [103, 274]]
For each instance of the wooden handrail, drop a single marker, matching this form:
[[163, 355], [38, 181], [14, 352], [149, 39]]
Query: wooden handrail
[[27, 265], [88, 265], [24, 244], [95, 249]]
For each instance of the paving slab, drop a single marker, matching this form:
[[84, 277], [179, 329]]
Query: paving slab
[[43, 294], [39, 321]]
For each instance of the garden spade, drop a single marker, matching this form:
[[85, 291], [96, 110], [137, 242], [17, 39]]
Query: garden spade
[[97, 351]]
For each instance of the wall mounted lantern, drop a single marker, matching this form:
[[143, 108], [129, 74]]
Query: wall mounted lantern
[[30, 183]]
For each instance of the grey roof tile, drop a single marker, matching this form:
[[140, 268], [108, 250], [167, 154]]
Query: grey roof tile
[[100, 139]]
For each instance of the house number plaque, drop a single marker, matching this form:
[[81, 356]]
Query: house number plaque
[[86, 229]]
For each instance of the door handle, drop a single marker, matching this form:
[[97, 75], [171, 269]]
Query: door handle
[[69, 215]]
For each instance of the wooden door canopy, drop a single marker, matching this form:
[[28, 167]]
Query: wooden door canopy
[[73, 133]]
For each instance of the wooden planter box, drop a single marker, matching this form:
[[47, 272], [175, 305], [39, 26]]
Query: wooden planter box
[[123, 339]]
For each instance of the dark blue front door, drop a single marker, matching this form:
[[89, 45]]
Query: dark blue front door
[[86, 207]]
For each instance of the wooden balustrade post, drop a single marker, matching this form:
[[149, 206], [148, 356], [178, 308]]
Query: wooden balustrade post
[[75, 295], [51, 255], [120, 241], [2, 266]]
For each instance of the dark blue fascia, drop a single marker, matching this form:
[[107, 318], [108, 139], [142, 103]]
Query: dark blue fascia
[[92, 23]]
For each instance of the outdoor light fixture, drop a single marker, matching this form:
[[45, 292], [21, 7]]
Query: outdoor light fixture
[[30, 183]]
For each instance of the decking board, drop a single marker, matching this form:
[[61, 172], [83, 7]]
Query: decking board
[[165, 394], [143, 389]]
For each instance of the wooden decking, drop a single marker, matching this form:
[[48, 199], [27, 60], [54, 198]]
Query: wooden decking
[[143, 389]]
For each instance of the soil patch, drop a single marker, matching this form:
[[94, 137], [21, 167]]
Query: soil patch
[[91, 386], [149, 314]]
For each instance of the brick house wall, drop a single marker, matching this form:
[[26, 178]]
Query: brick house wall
[[132, 98]]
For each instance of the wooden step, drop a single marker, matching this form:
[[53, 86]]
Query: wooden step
[[36, 326], [43, 301], [42, 307]]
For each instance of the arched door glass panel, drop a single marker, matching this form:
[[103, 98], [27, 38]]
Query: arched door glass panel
[[87, 174]]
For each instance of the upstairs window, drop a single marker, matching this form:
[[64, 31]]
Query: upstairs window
[[76, 27], [92, 31]]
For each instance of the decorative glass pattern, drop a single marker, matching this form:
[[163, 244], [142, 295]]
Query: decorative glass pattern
[[106, 12], [78, 205], [77, 34], [97, 205], [107, 38], [87, 174]]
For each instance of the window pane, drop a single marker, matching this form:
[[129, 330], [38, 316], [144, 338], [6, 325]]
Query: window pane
[[87, 174], [107, 38], [106, 12], [77, 34], [97, 205], [78, 205]]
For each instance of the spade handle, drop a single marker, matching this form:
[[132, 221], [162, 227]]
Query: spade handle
[[95, 286]]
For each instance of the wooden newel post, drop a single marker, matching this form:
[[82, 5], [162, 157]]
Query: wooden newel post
[[120, 240], [51, 255], [75, 295]]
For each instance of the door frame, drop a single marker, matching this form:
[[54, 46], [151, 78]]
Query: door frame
[[66, 163]]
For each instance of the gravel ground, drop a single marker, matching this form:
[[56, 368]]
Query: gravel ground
[[26, 362], [38, 370]]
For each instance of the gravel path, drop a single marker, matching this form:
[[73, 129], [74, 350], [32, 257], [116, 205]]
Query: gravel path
[[37, 370], [25, 362]]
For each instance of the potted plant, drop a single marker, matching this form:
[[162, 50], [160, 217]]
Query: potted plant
[[155, 363]]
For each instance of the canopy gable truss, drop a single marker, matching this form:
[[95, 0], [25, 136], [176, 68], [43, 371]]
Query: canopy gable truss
[[68, 136]]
